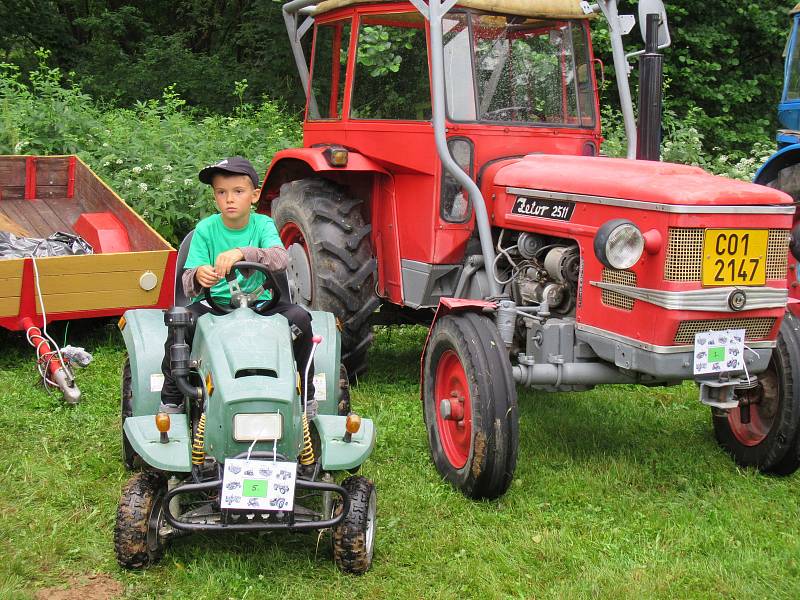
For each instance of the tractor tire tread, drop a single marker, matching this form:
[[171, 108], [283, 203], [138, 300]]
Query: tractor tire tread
[[133, 514]]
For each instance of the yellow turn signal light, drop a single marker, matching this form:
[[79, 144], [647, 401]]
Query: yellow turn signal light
[[336, 156], [209, 384], [353, 423], [121, 323], [162, 424]]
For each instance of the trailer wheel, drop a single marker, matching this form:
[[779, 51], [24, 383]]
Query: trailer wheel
[[764, 434], [470, 405], [139, 518], [331, 262], [130, 459], [354, 537]]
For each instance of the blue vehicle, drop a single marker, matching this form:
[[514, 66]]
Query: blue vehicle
[[763, 430]]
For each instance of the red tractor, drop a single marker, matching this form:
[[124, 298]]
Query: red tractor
[[450, 175]]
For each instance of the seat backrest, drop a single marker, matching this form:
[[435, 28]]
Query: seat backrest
[[183, 252]]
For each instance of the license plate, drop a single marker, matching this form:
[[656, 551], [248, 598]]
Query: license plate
[[735, 257], [258, 485]]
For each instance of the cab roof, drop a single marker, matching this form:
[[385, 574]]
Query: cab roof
[[542, 9]]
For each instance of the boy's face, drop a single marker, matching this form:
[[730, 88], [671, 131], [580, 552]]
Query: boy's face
[[234, 194]]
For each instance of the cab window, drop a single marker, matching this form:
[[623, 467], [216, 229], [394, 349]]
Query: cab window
[[331, 44]]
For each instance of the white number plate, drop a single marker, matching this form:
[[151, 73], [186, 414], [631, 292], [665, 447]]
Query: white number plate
[[718, 351], [258, 485]]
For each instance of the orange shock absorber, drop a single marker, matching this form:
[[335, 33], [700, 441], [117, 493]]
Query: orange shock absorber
[[198, 445], [307, 453]]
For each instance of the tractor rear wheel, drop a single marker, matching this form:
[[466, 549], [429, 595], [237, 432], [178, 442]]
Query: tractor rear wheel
[[354, 536], [140, 515], [763, 433], [470, 405], [331, 262], [130, 459]]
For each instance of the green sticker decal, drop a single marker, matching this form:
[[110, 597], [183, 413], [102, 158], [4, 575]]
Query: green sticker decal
[[716, 354], [254, 488]]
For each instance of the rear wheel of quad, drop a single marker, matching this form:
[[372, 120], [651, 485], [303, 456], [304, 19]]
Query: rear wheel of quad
[[354, 536], [470, 405], [140, 517], [763, 432], [130, 459], [331, 262]]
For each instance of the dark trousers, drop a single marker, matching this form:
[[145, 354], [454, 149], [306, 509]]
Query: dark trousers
[[302, 345]]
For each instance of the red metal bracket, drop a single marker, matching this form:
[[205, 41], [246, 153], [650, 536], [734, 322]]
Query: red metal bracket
[[71, 177], [30, 178]]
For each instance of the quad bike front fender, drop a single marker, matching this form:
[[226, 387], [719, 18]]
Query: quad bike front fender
[[338, 455], [144, 333], [173, 456], [326, 361]]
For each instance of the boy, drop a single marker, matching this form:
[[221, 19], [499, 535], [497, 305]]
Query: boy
[[235, 234]]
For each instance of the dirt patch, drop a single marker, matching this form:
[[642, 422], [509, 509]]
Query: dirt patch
[[86, 587]]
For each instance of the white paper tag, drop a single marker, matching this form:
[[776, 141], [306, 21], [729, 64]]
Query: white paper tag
[[320, 387], [156, 382], [719, 351], [258, 485]]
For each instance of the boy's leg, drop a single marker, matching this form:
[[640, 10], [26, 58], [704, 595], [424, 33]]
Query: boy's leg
[[302, 345], [171, 396]]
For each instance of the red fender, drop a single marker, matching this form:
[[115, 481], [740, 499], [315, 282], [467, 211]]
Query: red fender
[[448, 306], [297, 163]]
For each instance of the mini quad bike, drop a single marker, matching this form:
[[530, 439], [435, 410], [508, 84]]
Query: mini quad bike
[[243, 456]]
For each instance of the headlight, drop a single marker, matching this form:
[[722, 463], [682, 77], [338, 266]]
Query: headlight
[[619, 244], [261, 426]]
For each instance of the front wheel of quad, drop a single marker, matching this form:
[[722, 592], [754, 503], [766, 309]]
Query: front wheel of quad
[[762, 432], [130, 459], [330, 259], [140, 516], [470, 405], [354, 536]]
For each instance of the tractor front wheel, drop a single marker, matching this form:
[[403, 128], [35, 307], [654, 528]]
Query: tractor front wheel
[[140, 516], [330, 259], [470, 405], [762, 431], [354, 536]]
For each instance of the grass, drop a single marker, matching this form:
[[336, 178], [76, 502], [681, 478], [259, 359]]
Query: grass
[[620, 492]]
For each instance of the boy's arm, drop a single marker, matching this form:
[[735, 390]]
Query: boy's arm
[[275, 258], [191, 288]]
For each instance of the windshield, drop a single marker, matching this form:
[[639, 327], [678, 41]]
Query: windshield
[[514, 70]]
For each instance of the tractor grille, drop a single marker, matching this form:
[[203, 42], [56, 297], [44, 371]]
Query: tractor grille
[[755, 328], [685, 254], [614, 298]]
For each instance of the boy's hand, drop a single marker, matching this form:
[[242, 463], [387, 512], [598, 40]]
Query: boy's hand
[[225, 261], [206, 276]]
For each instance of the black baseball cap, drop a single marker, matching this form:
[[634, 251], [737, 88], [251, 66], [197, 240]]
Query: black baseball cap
[[235, 165]]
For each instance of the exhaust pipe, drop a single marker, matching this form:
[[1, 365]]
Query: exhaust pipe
[[651, 80]]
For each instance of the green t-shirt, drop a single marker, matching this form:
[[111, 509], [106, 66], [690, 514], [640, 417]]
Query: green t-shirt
[[212, 237]]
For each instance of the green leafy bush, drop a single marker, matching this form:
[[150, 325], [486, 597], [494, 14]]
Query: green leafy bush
[[151, 153]]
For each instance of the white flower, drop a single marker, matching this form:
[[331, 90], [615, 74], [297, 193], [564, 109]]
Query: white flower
[[167, 168], [118, 161], [128, 182], [136, 170], [168, 181], [148, 167], [105, 164], [143, 187], [187, 182], [105, 144]]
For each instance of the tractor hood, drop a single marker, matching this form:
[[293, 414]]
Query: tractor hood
[[648, 181]]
